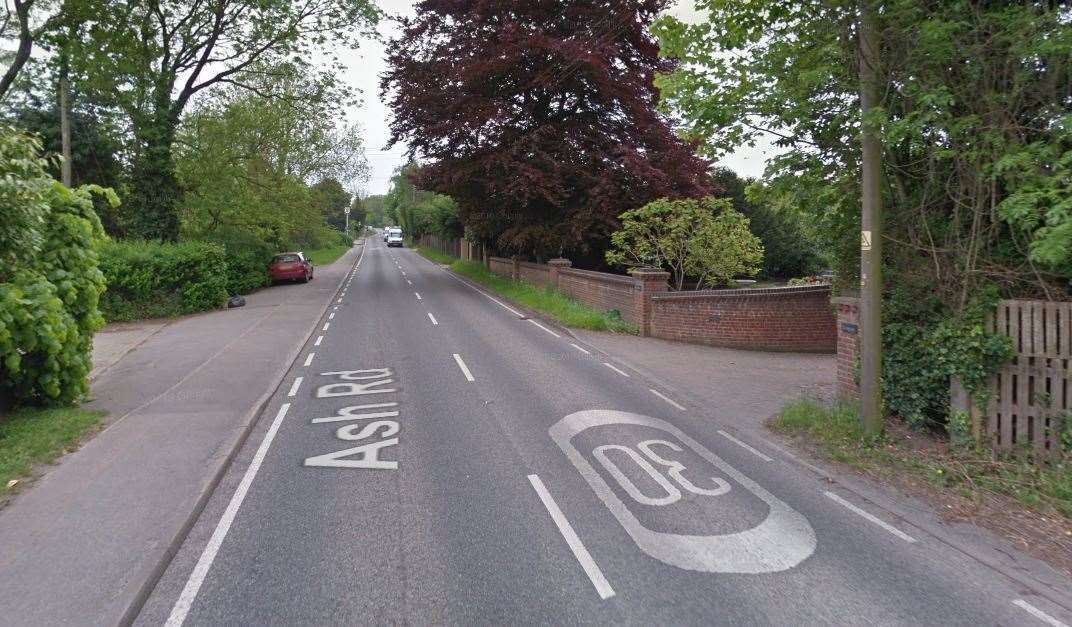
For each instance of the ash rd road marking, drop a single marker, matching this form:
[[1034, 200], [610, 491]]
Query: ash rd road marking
[[189, 592], [616, 369], [744, 446], [309, 360], [667, 399], [432, 318], [464, 368], [1037, 613], [868, 516], [595, 575], [780, 542], [294, 387], [380, 433]]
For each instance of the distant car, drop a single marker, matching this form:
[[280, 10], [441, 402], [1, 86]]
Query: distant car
[[394, 237], [290, 267]]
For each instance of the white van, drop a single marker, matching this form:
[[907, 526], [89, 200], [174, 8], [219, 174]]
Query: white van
[[394, 237]]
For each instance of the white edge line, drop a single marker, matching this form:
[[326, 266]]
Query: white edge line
[[204, 563], [544, 328], [487, 296], [432, 318], [418, 295], [309, 359], [616, 369], [745, 446], [595, 575], [1037, 613], [874, 519], [666, 398], [319, 339], [580, 349], [327, 325], [465, 369], [294, 388], [331, 316]]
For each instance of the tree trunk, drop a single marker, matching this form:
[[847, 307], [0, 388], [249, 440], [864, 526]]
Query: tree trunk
[[154, 185], [22, 55]]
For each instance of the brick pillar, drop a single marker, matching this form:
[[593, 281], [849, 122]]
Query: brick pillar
[[553, 267], [515, 267], [848, 346], [647, 281]]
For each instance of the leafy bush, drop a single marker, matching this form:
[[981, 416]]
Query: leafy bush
[[49, 302], [152, 279], [247, 259]]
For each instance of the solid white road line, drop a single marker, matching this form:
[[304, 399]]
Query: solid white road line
[[595, 575], [339, 301], [616, 369], [408, 281], [1037, 613], [744, 446], [432, 318], [465, 369], [327, 325], [294, 388], [204, 563], [580, 349], [881, 523], [319, 339], [309, 359], [492, 299], [665, 398], [418, 295], [544, 328]]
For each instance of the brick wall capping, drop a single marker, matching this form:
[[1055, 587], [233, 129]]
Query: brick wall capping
[[598, 276], [845, 300], [744, 292], [645, 273], [560, 262]]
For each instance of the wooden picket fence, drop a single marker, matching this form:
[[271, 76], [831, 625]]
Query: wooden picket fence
[[1030, 397]]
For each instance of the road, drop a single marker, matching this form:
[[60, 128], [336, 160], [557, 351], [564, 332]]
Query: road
[[434, 457]]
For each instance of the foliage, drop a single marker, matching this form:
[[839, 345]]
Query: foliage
[[333, 200], [421, 212], [555, 304], [788, 249], [31, 436], [150, 60], [152, 279], [374, 206], [49, 299], [247, 259], [707, 239], [542, 124]]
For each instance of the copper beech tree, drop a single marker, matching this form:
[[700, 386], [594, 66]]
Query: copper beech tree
[[538, 117]]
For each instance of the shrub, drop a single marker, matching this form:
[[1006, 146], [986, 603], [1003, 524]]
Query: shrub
[[152, 279], [49, 305], [247, 259]]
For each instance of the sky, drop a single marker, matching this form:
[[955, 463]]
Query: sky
[[367, 63]]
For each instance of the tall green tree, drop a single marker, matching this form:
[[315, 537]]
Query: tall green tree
[[150, 58], [334, 201]]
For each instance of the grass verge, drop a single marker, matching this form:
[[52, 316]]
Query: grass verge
[[975, 474], [32, 436], [325, 256], [547, 301]]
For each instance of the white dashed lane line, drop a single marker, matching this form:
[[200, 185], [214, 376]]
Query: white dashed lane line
[[464, 368], [666, 398], [869, 517], [418, 295], [1037, 613], [319, 339], [432, 318], [309, 359], [294, 387], [584, 558], [744, 446], [616, 369]]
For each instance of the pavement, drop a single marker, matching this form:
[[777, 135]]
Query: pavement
[[97, 530], [434, 455]]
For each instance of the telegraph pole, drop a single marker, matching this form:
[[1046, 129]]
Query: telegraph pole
[[871, 414]]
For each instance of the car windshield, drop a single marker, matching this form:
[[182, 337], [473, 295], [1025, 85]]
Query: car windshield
[[286, 259], [395, 233]]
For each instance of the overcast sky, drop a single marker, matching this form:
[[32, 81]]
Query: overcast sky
[[366, 64]]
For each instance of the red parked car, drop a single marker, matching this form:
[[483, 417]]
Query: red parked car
[[290, 267]]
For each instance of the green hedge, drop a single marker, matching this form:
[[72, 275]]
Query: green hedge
[[154, 279], [248, 257]]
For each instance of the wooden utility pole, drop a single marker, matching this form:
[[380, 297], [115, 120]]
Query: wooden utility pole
[[65, 129], [871, 413]]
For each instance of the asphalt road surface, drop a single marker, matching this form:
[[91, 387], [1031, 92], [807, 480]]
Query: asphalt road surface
[[435, 457]]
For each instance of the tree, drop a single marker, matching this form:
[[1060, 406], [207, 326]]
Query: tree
[[334, 201], [706, 239], [358, 215], [375, 206], [23, 29], [788, 250], [150, 58], [542, 123]]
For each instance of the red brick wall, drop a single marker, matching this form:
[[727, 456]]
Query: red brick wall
[[848, 346], [797, 319], [601, 291], [535, 273]]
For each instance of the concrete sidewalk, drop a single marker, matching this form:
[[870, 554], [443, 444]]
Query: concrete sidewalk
[[85, 544]]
